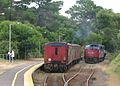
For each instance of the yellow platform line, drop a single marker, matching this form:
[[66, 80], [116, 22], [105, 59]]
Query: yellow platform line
[[28, 81], [13, 82]]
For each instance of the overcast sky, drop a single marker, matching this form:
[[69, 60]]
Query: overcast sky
[[109, 4]]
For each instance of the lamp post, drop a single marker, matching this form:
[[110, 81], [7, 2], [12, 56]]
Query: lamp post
[[10, 25], [60, 37]]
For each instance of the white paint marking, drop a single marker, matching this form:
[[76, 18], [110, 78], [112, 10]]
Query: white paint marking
[[13, 82]]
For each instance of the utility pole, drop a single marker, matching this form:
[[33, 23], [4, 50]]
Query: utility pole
[[10, 26], [59, 38]]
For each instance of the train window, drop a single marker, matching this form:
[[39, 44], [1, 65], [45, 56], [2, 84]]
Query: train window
[[56, 51], [102, 48]]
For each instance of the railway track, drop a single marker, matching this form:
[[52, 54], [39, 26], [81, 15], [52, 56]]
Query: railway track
[[45, 81], [67, 81], [80, 78]]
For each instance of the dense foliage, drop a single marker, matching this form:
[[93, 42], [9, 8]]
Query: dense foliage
[[115, 65], [96, 25], [25, 38], [34, 26]]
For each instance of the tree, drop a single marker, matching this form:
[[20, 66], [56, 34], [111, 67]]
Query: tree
[[48, 14], [94, 38], [107, 25], [83, 11], [25, 38], [65, 34]]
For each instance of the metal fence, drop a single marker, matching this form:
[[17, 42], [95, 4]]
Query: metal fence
[[3, 56]]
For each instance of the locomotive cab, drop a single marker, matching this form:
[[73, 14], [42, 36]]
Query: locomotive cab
[[94, 53]]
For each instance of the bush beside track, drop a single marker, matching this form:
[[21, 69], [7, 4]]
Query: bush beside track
[[115, 65]]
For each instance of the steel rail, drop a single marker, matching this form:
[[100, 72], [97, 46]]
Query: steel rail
[[66, 82], [45, 81], [90, 77]]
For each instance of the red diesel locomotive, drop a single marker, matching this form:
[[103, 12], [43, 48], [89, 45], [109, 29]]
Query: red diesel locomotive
[[94, 53], [59, 56]]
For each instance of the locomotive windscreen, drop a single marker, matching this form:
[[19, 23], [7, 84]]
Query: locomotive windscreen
[[92, 46], [56, 44]]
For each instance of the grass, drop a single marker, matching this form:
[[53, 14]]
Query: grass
[[3, 60], [115, 65]]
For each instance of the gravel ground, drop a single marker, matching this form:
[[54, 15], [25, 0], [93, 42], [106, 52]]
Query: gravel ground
[[103, 79], [100, 78], [114, 80], [55, 79]]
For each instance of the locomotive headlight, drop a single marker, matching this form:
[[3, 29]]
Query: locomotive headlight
[[49, 59]]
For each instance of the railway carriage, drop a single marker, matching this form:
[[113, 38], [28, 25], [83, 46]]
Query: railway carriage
[[94, 53], [59, 56]]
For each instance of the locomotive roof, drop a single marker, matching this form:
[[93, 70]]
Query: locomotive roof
[[63, 43], [94, 45], [55, 42]]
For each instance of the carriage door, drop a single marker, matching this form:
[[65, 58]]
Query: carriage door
[[59, 53]]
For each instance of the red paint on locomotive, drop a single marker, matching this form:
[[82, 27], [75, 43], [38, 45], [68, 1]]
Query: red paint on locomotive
[[91, 53], [94, 53]]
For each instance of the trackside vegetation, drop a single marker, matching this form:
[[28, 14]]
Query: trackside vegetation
[[115, 65]]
